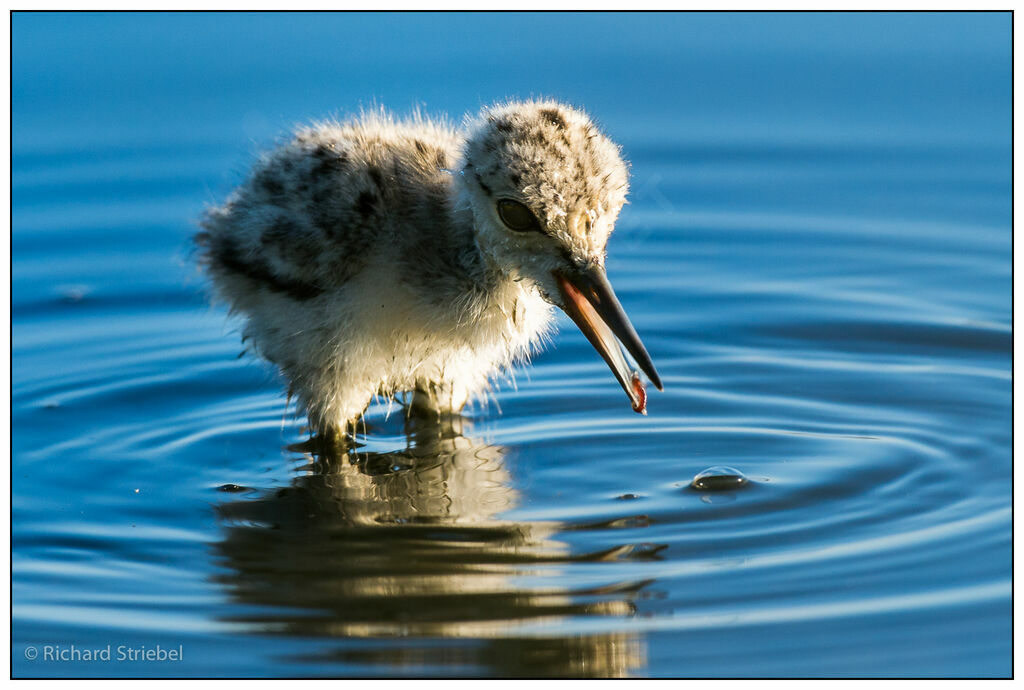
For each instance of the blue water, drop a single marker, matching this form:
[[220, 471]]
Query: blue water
[[816, 253]]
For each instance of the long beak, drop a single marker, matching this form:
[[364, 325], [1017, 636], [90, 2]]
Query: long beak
[[592, 304]]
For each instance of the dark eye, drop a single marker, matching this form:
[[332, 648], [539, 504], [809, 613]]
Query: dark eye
[[517, 217]]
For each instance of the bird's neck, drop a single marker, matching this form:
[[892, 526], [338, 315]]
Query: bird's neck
[[494, 288], [481, 269]]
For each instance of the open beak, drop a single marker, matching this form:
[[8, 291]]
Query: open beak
[[592, 304]]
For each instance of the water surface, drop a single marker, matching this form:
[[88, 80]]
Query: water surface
[[816, 253]]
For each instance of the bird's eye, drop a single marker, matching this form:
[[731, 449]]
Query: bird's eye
[[517, 216]]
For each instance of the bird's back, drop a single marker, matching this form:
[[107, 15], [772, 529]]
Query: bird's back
[[328, 204]]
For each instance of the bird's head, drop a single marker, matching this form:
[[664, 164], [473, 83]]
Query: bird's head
[[546, 186]]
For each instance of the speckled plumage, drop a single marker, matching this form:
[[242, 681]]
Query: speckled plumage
[[367, 257]]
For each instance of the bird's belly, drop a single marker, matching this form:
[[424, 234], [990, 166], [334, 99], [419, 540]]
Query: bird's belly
[[405, 344]]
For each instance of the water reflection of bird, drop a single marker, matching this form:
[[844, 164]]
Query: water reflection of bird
[[381, 257], [413, 544]]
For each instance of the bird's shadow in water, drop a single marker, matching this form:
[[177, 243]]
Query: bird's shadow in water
[[413, 544]]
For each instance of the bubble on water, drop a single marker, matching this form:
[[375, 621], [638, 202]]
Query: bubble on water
[[719, 478]]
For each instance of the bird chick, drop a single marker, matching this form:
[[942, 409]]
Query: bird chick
[[376, 257]]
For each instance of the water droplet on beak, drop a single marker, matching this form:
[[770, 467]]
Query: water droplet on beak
[[641, 394]]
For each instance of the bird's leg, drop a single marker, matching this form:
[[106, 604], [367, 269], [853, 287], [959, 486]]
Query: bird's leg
[[436, 400], [423, 404], [326, 446]]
